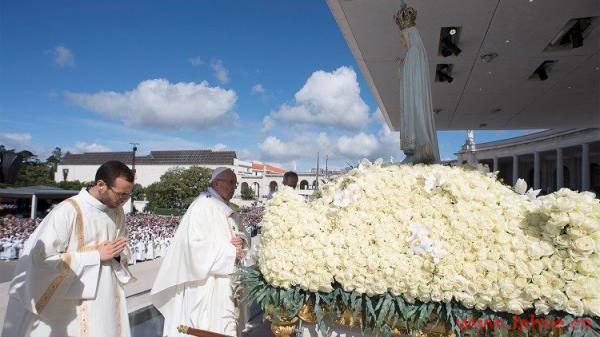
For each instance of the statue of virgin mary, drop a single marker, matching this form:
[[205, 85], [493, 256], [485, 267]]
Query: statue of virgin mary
[[418, 138]]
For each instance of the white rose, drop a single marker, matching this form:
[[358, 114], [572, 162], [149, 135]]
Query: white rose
[[535, 266], [574, 290], [507, 289], [520, 186], [583, 246], [592, 307], [557, 299], [520, 283], [574, 306], [541, 308], [532, 292], [587, 267], [515, 307], [522, 268], [562, 241]]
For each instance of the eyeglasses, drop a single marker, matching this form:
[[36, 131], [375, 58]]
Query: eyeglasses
[[121, 194], [231, 182]]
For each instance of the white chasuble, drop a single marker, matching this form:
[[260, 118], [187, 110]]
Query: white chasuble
[[193, 286], [60, 286]]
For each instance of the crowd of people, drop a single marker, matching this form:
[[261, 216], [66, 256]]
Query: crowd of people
[[13, 234], [149, 234]]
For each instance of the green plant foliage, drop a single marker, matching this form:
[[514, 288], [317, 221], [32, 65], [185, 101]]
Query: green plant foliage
[[381, 313], [247, 193], [178, 187]]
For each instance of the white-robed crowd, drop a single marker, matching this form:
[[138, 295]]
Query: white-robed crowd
[[149, 235], [69, 279]]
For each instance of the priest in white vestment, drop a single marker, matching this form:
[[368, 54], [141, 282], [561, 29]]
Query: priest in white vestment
[[140, 250], [150, 249], [69, 280], [193, 286]]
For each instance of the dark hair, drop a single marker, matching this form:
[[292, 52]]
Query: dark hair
[[288, 175], [111, 170]]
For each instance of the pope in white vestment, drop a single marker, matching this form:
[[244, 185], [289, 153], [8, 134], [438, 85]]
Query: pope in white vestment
[[193, 286], [61, 286]]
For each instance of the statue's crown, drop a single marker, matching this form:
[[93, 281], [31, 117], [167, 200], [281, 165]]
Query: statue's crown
[[406, 17]]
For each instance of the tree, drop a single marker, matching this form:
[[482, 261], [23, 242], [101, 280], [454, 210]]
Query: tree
[[138, 192], [178, 187], [247, 193], [32, 173], [28, 157], [54, 159]]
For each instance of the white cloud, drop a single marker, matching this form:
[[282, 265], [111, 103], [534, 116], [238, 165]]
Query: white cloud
[[196, 61], [389, 145], [360, 145], [267, 124], [302, 146], [81, 147], [257, 89], [63, 57], [15, 140], [384, 144], [220, 147], [377, 117], [327, 99], [244, 154], [158, 103], [221, 73]]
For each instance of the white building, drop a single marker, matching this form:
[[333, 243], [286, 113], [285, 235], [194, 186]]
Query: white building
[[263, 184], [547, 160], [148, 169]]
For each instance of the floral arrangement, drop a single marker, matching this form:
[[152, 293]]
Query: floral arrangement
[[392, 242]]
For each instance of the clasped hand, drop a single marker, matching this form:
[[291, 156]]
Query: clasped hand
[[111, 248], [238, 243]]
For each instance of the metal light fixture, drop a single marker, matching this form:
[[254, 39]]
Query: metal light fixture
[[443, 73]]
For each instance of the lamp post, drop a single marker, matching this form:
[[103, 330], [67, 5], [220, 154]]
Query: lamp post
[[65, 174], [133, 169]]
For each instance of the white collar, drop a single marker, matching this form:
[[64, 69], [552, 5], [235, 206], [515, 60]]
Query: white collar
[[90, 199], [216, 195]]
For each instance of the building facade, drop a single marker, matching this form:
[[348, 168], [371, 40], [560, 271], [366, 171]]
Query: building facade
[[547, 160], [148, 169], [264, 184]]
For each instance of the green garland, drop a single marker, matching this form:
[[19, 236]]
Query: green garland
[[380, 313]]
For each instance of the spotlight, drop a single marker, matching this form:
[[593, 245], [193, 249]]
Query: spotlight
[[448, 42], [442, 73], [576, 35], [448, 47], [444, 77], [541, 72]]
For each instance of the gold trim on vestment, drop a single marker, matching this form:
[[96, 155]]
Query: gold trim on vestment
[[83, 319], [118, 302], [66, 265], [78, 225], [49, 292], [80, 234]]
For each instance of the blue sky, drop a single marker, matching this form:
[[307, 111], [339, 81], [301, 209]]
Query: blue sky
[[272, 80]]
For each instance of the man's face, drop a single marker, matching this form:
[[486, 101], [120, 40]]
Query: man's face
[[116, 195], [291, 182], [225, 184]]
